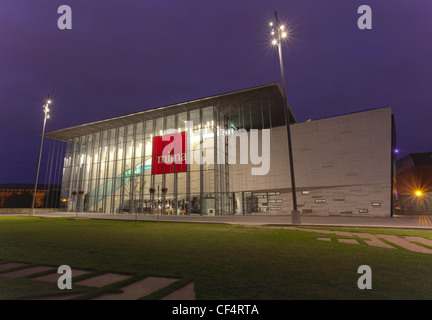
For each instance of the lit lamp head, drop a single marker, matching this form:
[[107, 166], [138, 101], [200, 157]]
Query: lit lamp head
[[46, 109], [278, 32], [418, 193]]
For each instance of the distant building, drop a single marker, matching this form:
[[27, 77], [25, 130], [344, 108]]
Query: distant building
[[10, 189], [343, 164], [414, 182]]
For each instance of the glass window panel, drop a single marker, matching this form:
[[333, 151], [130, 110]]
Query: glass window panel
[[195, 182], [194, 139], [208, 137], [159, 126], [157, 182], [207, 114], [208, 157], [209, 181], [112, 136], [181, 120], [147, 186], [169, 184], [196, 159], [121, 132], [111, 170], [94, 155], [181, 182], [69, 147], [119, 168], [139, 150], [181, 198], [89, 142], [148, 147], [235, 117], [148, 128], [170, 122], [112, 152], [130, 132], [120, 152], [97, 139], [139, 130], [102, 170], [194, 116], [128, 169], [103, 153], [104, 138], [129, 150]]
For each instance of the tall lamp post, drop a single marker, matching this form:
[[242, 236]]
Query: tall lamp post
[[279, 33], [46, 116]]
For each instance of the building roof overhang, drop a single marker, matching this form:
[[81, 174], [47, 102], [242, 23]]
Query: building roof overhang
[[270, 94]]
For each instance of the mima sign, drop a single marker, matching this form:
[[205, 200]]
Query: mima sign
[[168, 154]]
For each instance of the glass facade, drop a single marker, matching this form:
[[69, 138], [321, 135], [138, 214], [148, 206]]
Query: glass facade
[[111, 171], [114, 166]]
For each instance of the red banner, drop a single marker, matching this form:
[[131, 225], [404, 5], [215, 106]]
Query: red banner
[[169, 153]]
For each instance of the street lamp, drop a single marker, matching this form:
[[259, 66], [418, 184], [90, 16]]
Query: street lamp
[[279, 33], [46, 116]]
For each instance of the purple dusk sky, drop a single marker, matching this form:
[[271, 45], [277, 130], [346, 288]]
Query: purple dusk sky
[[127, 56]]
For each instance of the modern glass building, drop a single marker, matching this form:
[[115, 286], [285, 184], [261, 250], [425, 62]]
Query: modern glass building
[[178, 160], [115, 165]]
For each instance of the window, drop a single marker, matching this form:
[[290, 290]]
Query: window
[[304, 192], [320, 201]]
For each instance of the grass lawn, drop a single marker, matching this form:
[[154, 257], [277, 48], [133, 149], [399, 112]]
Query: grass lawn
[[224, 261]]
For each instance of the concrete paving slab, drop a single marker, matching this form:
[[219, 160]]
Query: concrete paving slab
[[185, 293], [103, 280], [375, 242], [420, 240], [350, 241], [138, 289], [343, 233], [405, 244], [53, 277], [26, 272], [324, 239], [10, 265]]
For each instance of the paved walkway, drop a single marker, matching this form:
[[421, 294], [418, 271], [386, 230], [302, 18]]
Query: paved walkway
[[398, 221]]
